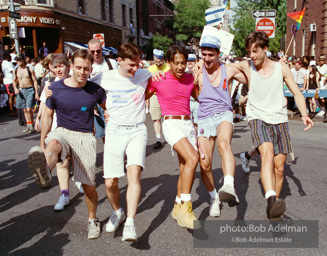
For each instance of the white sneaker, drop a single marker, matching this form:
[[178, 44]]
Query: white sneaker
[[214, 208], [93, 229], [227, 194], [38, 167], [79, 186], [115, 221], [245, 163], [321, 113], [129, 234], [63, 201]]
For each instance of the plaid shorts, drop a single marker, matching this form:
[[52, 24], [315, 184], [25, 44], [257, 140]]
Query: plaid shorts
[[277, 134], [25, 98]]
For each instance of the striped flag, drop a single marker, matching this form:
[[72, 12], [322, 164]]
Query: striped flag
[[297, 16], [215, 15], [227, 4]]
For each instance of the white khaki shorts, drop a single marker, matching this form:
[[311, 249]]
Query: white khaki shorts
[[155, 109], [174, 130], [121, 140], [81, 148]]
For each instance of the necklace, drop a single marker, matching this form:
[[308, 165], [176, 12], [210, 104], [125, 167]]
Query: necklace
[[207, 75]]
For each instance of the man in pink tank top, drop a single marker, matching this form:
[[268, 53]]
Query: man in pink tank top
[[268, 118]]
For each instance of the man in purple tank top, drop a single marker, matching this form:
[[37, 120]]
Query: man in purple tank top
[[215, 121]]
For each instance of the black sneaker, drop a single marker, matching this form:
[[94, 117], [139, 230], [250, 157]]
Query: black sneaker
[[275, 208], [157, 145]]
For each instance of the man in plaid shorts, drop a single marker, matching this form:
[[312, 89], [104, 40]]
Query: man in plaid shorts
[[267, 117]]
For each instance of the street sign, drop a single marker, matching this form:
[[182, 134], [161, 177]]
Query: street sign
[[15, 15], [13, 28], [100, 37], [258, 13], [263, 13], [266, 25]]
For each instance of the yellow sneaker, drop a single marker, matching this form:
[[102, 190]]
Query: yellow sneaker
[[176, 208], [186, 217]]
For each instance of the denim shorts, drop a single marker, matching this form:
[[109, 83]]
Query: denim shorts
[[194, 105], [121, 140], [99, 123], [208, 127]]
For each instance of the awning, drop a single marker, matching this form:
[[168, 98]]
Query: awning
[[71, 47], [110, 50]]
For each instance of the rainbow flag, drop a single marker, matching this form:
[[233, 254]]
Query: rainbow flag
[[227, 4], [297, 16]]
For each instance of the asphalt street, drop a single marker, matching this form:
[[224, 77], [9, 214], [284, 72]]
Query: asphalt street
[[30, 226]]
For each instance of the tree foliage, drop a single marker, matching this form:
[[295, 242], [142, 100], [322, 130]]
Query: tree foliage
[[157, 42], [243, 23], [190, 19]]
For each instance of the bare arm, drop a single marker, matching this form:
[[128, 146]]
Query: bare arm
[[39, 116], [14, 83], [195, 94], [317, 79], [298, 96], [148, 93], [103, 105], [242, 100], [46, 124], [36, 88]]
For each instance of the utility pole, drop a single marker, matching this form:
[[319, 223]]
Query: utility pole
[[13, 25]]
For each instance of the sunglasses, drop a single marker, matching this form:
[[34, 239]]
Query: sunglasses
[[97, 51]]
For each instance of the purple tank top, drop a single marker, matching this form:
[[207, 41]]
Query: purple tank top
[[214, 100]]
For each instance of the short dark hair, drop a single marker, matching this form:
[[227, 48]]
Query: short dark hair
[[260, 38], [84, 54], [128, 51], [60, 58], [173, 50], [6, 55]]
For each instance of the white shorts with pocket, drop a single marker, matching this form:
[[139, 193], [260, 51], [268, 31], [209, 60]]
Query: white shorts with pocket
[[175, 129], [121, 140]]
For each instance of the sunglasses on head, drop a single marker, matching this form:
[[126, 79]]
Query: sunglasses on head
[[97, 51]]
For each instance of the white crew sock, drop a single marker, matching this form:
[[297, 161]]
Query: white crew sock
[[129, 221], [119, 211], [229, 180], [213, 194], [270, 193], [178, 200], [186, 197], [158, 137]]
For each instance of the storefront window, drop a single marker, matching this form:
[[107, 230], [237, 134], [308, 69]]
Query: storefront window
[[45, 2]]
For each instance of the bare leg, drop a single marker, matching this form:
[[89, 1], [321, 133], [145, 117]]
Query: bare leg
[[91, 199], [267, 166], [207, 147], [63, 174], [52, 150], [113, 193], [279, 172], [134, 189]]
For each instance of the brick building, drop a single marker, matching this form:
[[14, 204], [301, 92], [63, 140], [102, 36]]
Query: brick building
[[59, 21], [151, 20], [311, 38]]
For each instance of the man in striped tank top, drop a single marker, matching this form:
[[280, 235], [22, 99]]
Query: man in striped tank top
[[267, 117]]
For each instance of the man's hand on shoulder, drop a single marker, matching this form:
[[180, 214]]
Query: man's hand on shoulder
[[156, 77]]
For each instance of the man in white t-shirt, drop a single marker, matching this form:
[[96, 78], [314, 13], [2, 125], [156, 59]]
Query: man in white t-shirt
[[100, 64], [7, 69], [126, 133], [322, 68]]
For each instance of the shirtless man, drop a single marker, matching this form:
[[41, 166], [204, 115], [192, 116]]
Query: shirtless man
[[27, 92]]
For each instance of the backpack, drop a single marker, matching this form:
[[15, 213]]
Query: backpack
[[108, 63]]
